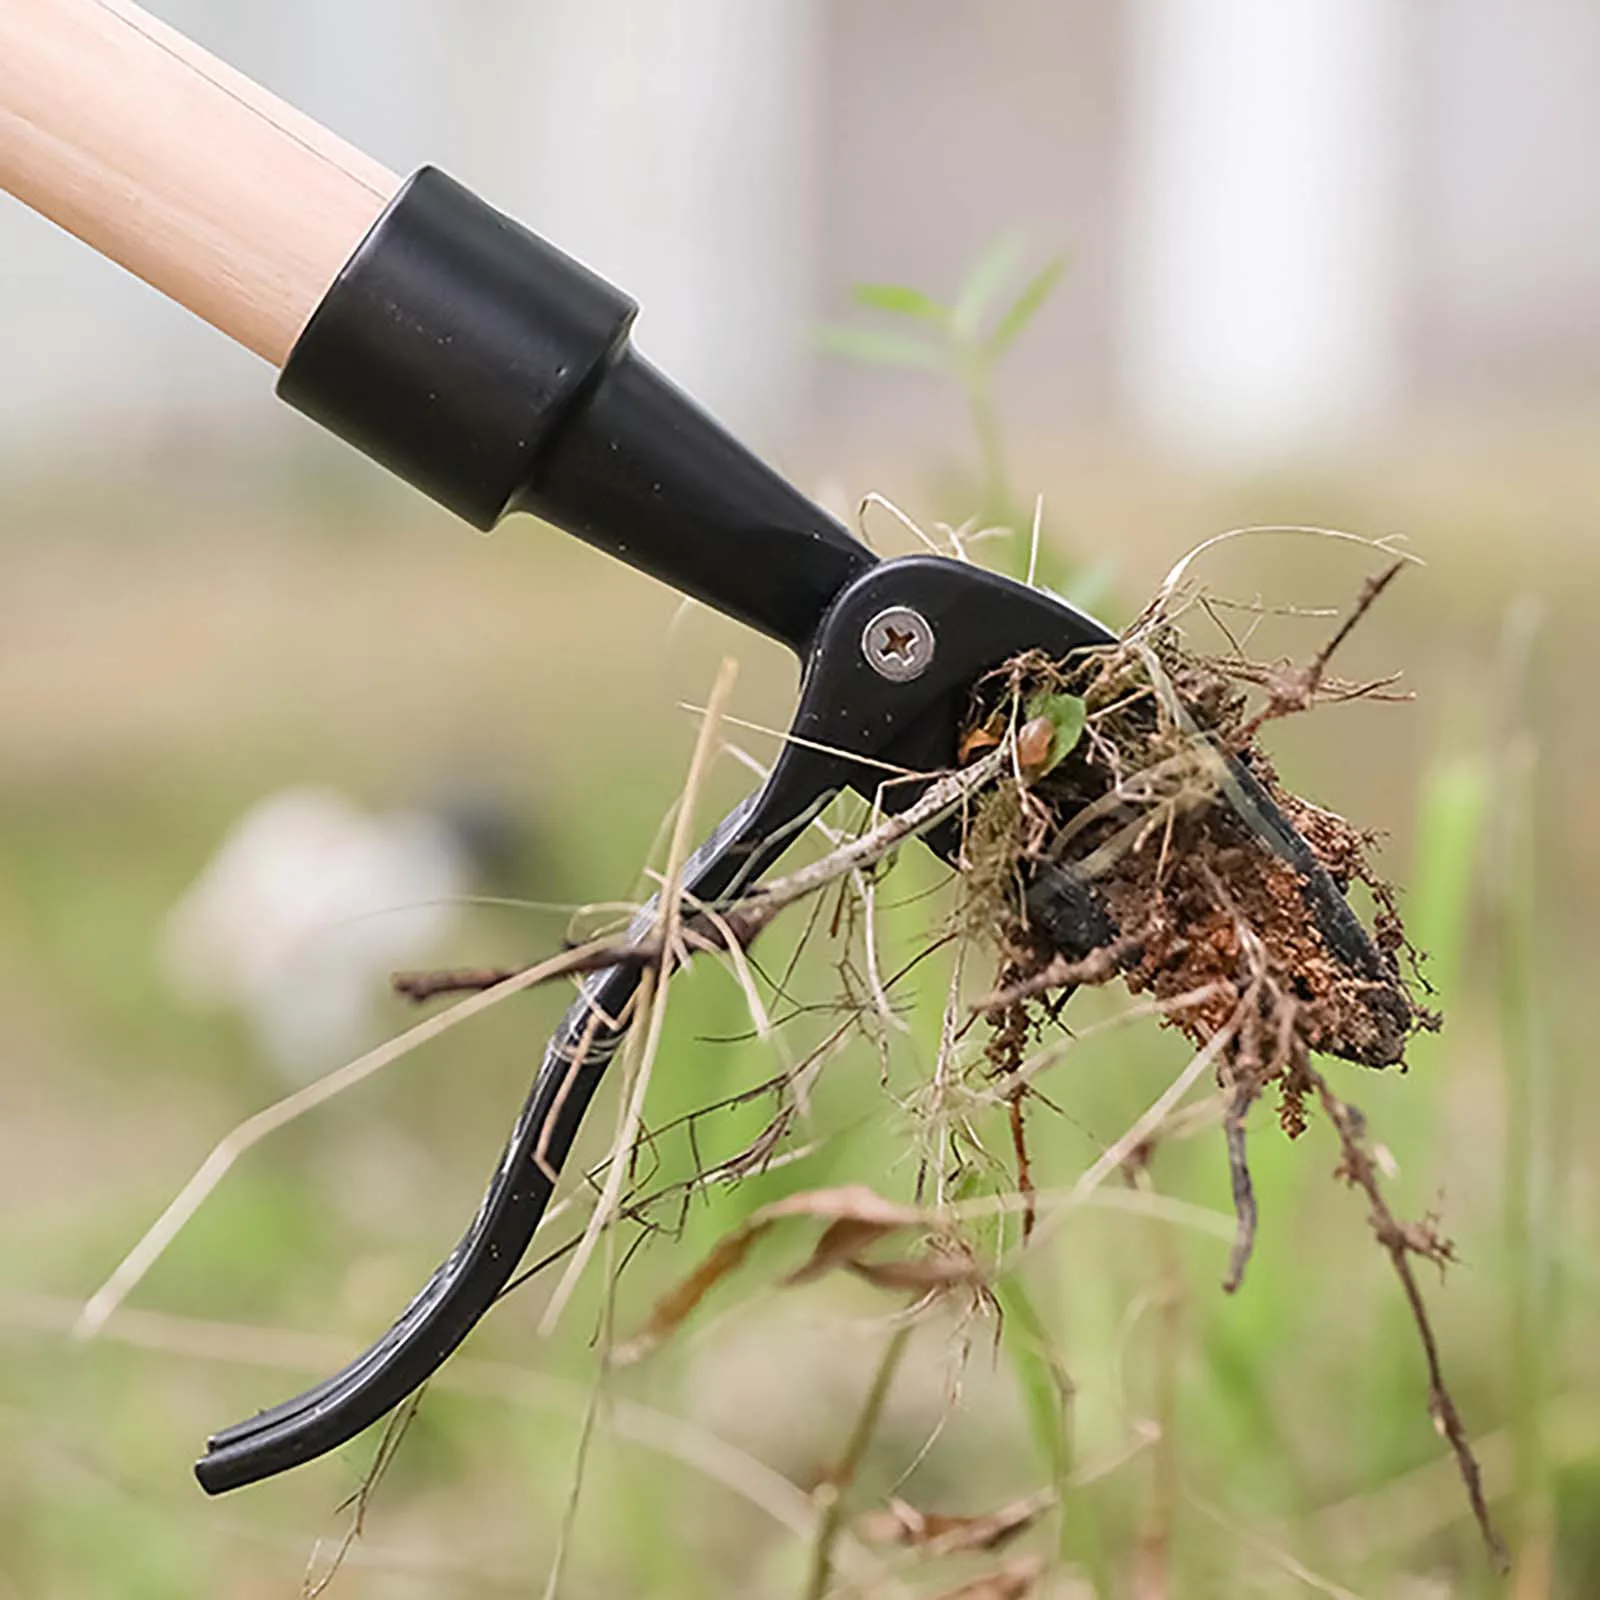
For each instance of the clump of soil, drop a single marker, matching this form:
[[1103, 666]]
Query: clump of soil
[[1155, 843], [1162, 848]]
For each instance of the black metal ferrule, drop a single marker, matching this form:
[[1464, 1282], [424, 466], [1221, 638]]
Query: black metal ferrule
[[494, 373]]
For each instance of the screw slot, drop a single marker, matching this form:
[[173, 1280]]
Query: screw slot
[[898, 644]]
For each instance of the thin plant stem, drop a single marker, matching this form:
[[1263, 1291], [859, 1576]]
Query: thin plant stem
[[977, 383], [834, 1491], [1528, 1122], [652, 1003], [1155, 1552], [597, 1391], [155, 1240]]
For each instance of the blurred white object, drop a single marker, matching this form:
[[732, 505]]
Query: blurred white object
[[674, 149], [307, 907], [1260, 309]]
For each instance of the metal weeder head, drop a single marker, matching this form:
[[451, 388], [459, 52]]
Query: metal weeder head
[[493, 372], [846, 704]]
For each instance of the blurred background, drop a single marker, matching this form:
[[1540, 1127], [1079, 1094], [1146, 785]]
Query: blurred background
[[1328, 262]]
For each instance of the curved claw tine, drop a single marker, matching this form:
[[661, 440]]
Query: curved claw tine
[[472, 1277]]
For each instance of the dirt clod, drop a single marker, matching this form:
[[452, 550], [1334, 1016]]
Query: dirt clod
[[1165, 839]]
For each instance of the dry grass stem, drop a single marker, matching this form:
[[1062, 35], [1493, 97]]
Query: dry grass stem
[[833, 1491], [674, 1438], [1402, 1241], [652, 997], [394, 1430], [149, 1249]]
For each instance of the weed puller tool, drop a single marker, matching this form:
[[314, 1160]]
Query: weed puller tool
[[495, 374]]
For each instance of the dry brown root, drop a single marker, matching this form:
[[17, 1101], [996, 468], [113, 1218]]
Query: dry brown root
[[1147, 851]]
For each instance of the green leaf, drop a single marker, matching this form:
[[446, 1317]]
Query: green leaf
[[902, 301], [1025, 307], [984, 282], [1067, 713], [879, 348]]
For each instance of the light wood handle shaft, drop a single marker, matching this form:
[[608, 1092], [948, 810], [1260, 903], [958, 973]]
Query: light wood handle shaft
[[171, 163]]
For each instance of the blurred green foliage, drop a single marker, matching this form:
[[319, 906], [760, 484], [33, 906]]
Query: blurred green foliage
[[965, 340]]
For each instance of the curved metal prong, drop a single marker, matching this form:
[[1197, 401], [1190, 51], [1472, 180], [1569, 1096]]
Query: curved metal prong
[[472, 1277]]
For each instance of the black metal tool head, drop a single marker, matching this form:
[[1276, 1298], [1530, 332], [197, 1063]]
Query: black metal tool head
[[887, 682], [476, 361]]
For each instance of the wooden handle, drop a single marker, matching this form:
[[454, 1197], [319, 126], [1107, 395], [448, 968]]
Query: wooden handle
[[162, 158]]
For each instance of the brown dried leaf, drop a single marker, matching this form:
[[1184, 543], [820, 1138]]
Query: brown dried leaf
[[675, 1307], [852, 1204], [922, 1276], [939, 1534], [852, 1201], [976, 740], [840, 1244], [1013, 1581], [925, 1273]]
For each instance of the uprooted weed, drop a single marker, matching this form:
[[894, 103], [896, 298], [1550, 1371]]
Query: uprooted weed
[[1148, 850], [1125, 831], [1143, 851], [1119, 822]]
